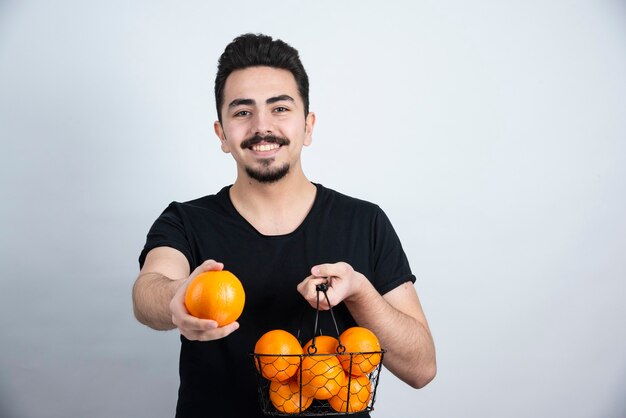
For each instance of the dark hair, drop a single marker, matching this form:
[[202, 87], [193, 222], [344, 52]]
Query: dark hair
[[250, 50]]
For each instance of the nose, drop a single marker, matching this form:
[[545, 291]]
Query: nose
[[262, 123]]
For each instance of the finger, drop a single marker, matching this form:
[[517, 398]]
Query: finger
[[208, 265], [185, 321], [307, 288], [311, 281], [329, 270], [224, 331], [191, 323], [303, 284], [213, 334]]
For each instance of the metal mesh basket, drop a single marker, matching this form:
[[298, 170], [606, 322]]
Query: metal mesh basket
[[318, 384]]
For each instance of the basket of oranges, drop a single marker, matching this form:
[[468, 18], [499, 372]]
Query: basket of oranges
[[325, 376]]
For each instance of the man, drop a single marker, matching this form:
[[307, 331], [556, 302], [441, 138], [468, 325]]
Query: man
[[281, 235]]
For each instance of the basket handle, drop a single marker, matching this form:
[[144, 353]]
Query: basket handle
[[312, 349]]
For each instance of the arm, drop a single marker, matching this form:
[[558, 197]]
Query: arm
[[159, 296], [396, 318], [161, 276]]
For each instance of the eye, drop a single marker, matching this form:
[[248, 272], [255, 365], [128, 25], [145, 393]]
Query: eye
[[242, 113], [281, 109]]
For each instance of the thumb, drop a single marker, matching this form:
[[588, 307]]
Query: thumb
[[319, 270], [208, 265]]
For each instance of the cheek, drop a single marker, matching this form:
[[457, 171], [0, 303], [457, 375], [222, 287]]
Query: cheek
[[294, 130], [233, 136]]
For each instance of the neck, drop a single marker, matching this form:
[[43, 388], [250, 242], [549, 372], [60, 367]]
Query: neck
[[275, 208]]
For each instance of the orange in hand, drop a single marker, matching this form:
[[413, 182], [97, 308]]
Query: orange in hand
[[284, 360], [216, 295], [359, 340]]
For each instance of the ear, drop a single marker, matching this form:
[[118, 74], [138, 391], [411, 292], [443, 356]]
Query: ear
[[217, 126], [309, 123]]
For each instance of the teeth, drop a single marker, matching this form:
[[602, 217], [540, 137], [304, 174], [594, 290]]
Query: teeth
[[264, 147]]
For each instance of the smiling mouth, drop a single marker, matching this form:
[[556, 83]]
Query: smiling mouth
[[264, 147], [264, 144]]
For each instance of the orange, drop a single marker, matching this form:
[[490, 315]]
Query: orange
[[216, 295], [324, 345], [285, 397], [285, 351], [359, 340], [321, 376], [360, 394]]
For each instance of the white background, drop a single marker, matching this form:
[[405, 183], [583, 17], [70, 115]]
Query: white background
[[491, 132]]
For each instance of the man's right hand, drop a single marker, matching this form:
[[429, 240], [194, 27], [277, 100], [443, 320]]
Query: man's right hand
[[192, 328]]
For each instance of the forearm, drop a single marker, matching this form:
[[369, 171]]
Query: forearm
[[410, 352], [152, 294]]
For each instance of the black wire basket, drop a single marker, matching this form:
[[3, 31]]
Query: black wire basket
[[324, 383]]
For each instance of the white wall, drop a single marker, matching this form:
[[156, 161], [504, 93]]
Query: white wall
[[492, 133]]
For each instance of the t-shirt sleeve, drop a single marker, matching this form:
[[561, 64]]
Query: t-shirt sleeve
[[168, 231], [390, 264]]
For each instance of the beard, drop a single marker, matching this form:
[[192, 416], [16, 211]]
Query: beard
[[266, 174]]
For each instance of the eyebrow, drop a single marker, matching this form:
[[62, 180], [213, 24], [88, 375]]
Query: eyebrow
[[281, 98], [241, 102], [251, 102]]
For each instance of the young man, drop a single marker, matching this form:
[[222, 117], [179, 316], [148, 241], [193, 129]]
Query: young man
[[281, 235]]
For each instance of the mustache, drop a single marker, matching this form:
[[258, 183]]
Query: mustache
[[270, 139]]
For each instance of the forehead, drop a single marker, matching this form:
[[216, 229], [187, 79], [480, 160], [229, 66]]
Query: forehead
[[260, 83]]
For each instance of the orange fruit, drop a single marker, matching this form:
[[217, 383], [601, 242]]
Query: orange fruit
[[324, 345], [285, 350], [321, 376], [360, 394], [216, 295], [285, 397], [359, 340]]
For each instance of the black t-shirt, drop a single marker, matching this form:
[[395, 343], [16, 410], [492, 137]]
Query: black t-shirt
[[217, 378]]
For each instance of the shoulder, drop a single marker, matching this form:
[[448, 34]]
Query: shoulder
[[341, 200], [218, 202], [358, 212]]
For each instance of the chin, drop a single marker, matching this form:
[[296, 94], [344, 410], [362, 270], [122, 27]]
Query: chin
[[268, 176]]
